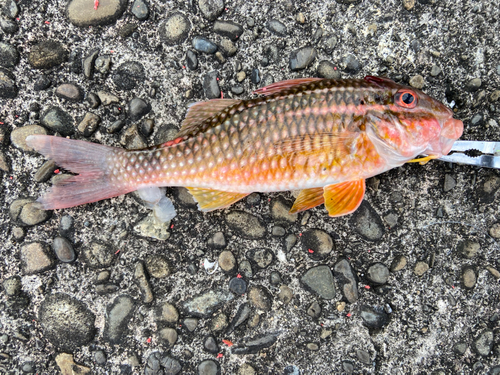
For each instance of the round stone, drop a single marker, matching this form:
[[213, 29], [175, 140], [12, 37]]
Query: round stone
[[81, 14], [63, 250], [157, 266], [262, 258], [259, 297], [276, 27], [317, 243], [367, 222], [69, 91], [469, 248], [373, 317], [128, 75], [100, 357], [19, 135], [227, 261], [58, 121], [98, 254], [210, 344], [211, 9], [302, 58], [175, 29], [9, 57], [204, 45], [219, 322], [285, 294], [417, 81], [47, 54], [8, 88], [469, 277], [167, 313], [320, 280], [237, 285], [138, 108], [12, 286], [246, 225], [66, 322], [326, 69], [208, 367], [36, 257], [168, 336], [494, 230], [378, 273], [350, 64], [399, 262], [420, 268]]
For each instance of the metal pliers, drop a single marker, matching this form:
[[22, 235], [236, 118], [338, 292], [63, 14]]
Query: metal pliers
[[479, 153]]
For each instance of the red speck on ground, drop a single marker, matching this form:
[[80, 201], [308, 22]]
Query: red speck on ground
[[348, 315], [96, 4], [220, 355], [310, 251], [117, 251], [367, 286], [148, 340], [227, 342], [239, 276], [47, 22], [57, 171]]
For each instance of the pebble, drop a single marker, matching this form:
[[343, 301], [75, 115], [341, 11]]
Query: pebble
[[347, 280], [190, 324], [350, 64], [473, 85], [18, 135], [276, 27], [279, 211], [435, 71], [168, 336], [80, 14], [42, 83], [246, 225], [47, 54], [103, 64], [477, 119], [191, 60], [26, 212], [219, 322], [302, 58], [227, 261], [493, 272], [254, 345], [8, 26], [69, 91], [9, 57], [206, 303], [300, 18], [128, 29], [320, 280], [275, 278], [58, 121], [483, 344], [131, 139], [417, 81], [210, 345], [328, 43], [211, 9], [140, 10], [285, 294], [63, 250], [278, 231], [449, 183], [241, 316], [259, 297], [98, 254], [317, 244], [12, 286], [378, 273], [175, 29], [229, 29], [208, 367], [217, 241], [204, 45], [367, 222], [420, 268], [92, 100], [137, 108], [460, 348], [494, 230], [89, 124], [36, 257], [237, 285], [398, 263], [10, 9], [146, 127], [8, 88], [409, 4], [157, 266], [326, 69], [102, 277], [495, 95], [66, 322], [118, 315], [128, 75], [314, 310], [240, 76], [228, 47], [262, 258], [255, 76], [363, 356], [468, 249], [469, 277], [237, 90], [142, 282], [246, 369], [373, 317], [4, 163], [211, 85], [67, 365]]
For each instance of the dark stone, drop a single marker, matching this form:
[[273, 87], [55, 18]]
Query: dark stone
[[211, 9], [255, 76], [254, 345], [191, 60], [204, 45], [210, 345], [58, 121], [347, 280], [69, 91], [88, 63], [118, 315], [276, 27], [140, 10], [351, 64], [237, 285], [374, 318], [128, 75], [137, 108], [42, 83], [205, 304], [320, 280], [9, 57], [8, 88], [301, 58], [47, 54], [367, 222], [66, 322], [228, 29], [175, 29], [237, 89], [241, 316], [93, 100], [211, 85], [326, 69]]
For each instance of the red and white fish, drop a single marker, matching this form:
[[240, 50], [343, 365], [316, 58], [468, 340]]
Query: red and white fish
[[323, 136]]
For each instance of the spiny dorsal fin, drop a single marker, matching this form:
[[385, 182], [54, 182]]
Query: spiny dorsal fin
[[210, 199], [308, 198], [201, 111], [273, 88], [344, 198]]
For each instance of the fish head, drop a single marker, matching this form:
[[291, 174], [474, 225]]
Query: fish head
[[408, 123]]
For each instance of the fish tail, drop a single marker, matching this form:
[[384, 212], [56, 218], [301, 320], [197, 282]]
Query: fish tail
[[91, 162]]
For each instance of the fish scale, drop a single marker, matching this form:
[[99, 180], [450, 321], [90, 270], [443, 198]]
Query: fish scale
[[299, 134]]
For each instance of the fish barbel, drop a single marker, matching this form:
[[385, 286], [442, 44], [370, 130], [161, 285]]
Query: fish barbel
[[323, 136]]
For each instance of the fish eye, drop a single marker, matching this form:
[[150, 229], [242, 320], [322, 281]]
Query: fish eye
[[405, 99]]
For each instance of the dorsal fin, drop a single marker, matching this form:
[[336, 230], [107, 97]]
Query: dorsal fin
[[199, 112], [273, 88]]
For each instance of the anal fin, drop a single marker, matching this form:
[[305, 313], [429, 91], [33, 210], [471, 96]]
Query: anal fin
[[344, 198], [210, 199], [308, 198]]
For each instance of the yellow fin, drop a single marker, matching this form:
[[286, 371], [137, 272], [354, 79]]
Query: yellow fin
[[423, 161], [308, 198], [201, 111], [344, 198], [210, 199]]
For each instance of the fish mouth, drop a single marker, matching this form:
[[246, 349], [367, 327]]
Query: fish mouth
[[451, 130]]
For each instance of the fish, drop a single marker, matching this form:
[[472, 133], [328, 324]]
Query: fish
[[324, 137]]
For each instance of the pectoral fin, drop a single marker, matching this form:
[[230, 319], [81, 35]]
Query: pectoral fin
[[209, 199], [344, 198], [308, 198]]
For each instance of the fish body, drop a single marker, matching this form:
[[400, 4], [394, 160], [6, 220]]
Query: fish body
[[320, 135]]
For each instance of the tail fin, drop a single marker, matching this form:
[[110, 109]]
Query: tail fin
[[89, 160]]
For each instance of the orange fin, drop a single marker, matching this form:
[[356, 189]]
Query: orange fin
[[344, 198], [308, 198], [199, 112], [210, 199], [283, 85]]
